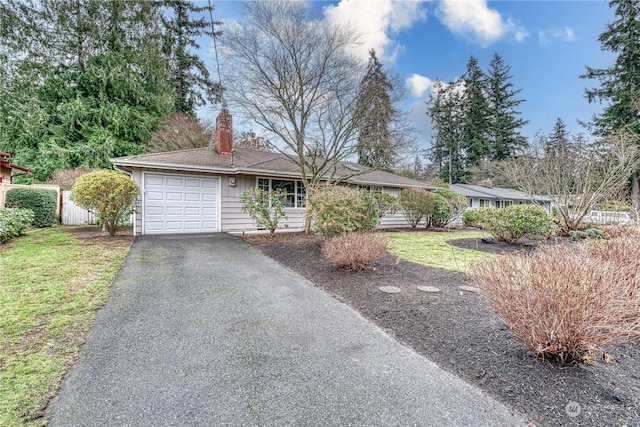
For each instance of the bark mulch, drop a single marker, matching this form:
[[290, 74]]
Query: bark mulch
[[454, 329]]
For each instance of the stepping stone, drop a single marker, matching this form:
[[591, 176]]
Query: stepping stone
[[469, 289], [390, 289], [430, 289]]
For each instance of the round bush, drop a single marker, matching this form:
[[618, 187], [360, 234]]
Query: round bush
[[337, 209], [41, 201], [515, 221]]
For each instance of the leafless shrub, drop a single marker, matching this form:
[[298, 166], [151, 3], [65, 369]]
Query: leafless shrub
[[615, 231], [563, 301], [180, 132], [65, 178], [355, 251]]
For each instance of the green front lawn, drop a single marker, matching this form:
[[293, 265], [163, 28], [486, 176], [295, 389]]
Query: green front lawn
[[430, 248], [51, 285]]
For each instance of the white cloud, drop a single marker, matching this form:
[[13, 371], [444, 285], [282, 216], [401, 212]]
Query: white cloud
[[565, 34], [473, 19], [418, 84], [377, 21]]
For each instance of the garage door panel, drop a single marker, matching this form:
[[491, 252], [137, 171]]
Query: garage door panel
[[174, 183], [210, 184], [154, 195], [193, 197], [175, 204], [173, 196], [154, 180]]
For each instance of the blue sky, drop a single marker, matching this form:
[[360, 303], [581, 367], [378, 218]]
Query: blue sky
[[546, 43]]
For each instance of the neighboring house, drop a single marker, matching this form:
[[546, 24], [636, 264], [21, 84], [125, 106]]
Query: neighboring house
[[7, 168], [7, 174], [484, 194], [199, 190]]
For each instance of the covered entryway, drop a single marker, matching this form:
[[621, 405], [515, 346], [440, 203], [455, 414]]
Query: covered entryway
[[176, 204]]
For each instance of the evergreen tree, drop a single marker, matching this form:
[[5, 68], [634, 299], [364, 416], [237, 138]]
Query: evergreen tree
[[620, 83], [89, 83], [446, 111], [505, 123], [557, 142], [477, 115], [375, 146], [190, 77]]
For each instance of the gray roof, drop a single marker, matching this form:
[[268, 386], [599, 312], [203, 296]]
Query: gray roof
[[256, 162], [495, 193]]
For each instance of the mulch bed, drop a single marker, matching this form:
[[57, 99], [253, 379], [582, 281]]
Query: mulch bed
[[454, 329]]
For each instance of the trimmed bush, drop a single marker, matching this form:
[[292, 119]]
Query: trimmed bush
[[336, 210], [417, 204], [355, 251], [387, 204], [264, 207], [108, 193], [442, 211], [41, 201], [13, 222], [515, 221], [470, 218], [563, 301]]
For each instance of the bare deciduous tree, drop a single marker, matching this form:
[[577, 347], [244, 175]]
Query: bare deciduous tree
[[577, 179], [289, 72], [180, 131]]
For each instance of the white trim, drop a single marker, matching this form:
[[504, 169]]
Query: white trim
[[218, 195]]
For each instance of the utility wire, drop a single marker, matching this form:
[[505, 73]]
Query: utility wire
[[215, 48]]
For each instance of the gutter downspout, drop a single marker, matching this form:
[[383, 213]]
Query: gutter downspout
[[135, 211]]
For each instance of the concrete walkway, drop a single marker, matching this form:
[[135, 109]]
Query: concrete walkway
[[203, 330]]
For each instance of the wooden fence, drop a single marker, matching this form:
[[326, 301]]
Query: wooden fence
[[73, 214]]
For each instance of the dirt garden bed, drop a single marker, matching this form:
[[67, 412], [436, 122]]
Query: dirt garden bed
[[454, 329]]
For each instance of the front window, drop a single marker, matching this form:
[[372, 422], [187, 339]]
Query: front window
[[294, 191], [484, 203]]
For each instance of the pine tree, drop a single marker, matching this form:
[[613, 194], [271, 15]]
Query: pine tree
[[89, 83], [505, 123], [190, 77], [477, 115], [446, 111], [620, 83], [375, 146], [557, 142]]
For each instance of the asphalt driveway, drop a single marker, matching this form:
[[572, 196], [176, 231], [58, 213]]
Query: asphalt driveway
[[203, 330]]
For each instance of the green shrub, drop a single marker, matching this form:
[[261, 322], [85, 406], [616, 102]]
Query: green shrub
[[108, 193], [337, 209], [515, 221], [387, 204], [564, 300], [355, 251], [41, 201], [457, 201], [13, 222], [417, 204], [442, 211], [470, 218], [589, 233], [264, 207]]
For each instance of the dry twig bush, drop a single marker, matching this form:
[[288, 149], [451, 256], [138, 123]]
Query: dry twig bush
[[355, 251], [564, 301], [615, 231]]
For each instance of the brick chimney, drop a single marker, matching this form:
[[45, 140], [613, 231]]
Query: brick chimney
[[224, 132], [485, 183]]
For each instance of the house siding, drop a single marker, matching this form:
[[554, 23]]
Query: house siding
[[232, 219]]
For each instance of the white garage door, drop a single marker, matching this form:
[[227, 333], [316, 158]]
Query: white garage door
[[180, 204]]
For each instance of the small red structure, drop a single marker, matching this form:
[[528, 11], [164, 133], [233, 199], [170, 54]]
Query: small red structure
[[6, 168]]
